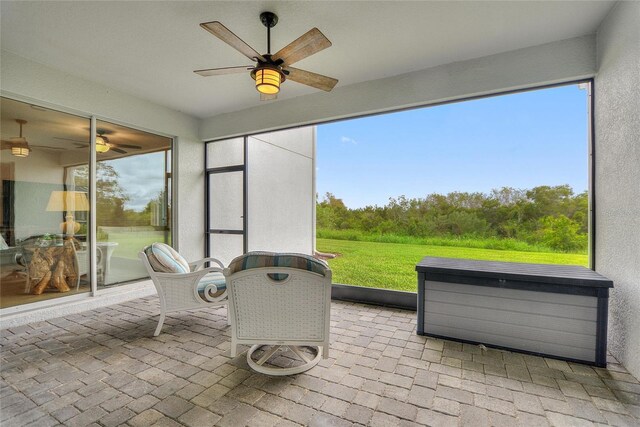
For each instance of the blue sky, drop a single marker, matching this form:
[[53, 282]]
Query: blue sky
[[520, 140]]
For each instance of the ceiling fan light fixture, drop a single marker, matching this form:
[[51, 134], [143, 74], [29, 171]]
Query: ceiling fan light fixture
[[271, 70], [268, 80], [101, 144], [20, 150]]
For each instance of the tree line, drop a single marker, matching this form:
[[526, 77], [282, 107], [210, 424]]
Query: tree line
[[111, 198], [551, 216]]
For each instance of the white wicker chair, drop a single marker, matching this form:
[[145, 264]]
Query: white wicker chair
[[185, 291], [280, 300]]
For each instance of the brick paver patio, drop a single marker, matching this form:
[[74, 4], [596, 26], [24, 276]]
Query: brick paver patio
[[105, 368]]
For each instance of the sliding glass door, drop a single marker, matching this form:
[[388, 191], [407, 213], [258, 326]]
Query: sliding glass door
[[46, 191], [133, 198], [44, 233]]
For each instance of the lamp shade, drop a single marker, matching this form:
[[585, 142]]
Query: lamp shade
[[268, 80], [68, 201]]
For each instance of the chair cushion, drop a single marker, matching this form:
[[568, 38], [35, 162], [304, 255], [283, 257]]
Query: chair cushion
[[164, 259], [216, 279], [272, 259]]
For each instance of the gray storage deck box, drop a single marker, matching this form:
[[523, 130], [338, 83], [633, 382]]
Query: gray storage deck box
[[550, 310]]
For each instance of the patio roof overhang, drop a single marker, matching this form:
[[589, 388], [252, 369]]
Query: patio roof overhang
[[150, 49]]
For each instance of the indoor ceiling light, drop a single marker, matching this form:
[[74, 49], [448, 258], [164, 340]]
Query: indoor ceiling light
[[268, 80], [101, 144], [20, 146], [20, 150]]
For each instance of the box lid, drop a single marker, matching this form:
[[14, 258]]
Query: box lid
[[544, 273]]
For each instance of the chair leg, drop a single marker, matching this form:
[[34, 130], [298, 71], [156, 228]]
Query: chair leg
[[160, 322]]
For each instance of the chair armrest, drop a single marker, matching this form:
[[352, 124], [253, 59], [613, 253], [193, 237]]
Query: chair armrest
[[194, 274], [197, 264]]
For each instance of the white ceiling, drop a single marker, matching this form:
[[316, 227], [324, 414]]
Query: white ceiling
[[150, 49]]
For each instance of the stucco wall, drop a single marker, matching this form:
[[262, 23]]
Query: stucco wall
[[280, 193], [281, 197], [533, 66], [51, 87], [617, 125]]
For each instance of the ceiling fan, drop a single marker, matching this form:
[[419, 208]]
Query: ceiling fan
[[271, 70], [19, 145], [103, 143]]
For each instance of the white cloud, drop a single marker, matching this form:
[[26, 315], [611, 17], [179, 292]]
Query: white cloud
[[347, 140]]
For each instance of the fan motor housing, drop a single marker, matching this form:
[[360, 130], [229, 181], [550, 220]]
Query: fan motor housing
[[269, 19], [268, 64]]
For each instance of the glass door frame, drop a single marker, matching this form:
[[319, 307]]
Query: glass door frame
[[208, 172], [168, 191], [168, 177], [93, 225]]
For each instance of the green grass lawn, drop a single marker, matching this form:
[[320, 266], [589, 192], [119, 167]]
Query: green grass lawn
[[373, 264], [132, 242], [392, 265]]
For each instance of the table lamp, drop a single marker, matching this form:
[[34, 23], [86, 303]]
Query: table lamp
[[69, 202]]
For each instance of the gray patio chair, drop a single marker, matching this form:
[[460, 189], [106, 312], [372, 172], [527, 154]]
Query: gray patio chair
[[182, 285], [281, 301]]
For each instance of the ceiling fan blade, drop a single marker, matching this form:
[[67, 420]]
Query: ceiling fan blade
[[72, 140], [133, 147], [268, 97], [117, 150], [113, 144], [224, 70], [13, 142], [311, 42], [16, 140], [224, 34], [311, 79], [49, 147]]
